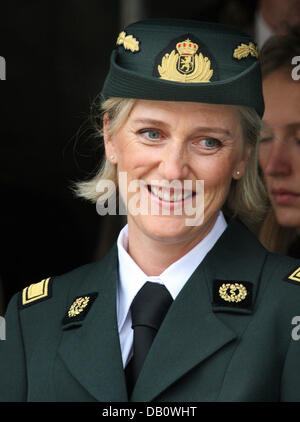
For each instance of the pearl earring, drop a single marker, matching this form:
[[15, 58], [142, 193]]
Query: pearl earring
[[238, 173], [112, 157]]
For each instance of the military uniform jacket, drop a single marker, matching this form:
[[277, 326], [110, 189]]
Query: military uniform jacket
[[209, 347]]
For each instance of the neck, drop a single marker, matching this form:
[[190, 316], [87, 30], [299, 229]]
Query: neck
[[153, 256]]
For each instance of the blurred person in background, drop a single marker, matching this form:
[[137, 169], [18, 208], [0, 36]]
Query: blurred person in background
[[279, 152], [273, 17]]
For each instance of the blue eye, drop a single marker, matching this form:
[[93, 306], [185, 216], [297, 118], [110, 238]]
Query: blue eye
[[211, 142], [151, 134]]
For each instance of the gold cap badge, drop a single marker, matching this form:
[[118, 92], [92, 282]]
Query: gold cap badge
[[128, 42], [243, 51], [185, 65]]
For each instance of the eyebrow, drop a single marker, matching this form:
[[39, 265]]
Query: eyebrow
[[162, 123], [265, 127]]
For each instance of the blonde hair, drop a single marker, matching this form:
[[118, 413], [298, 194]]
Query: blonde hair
[[118, 110], [247, 196]]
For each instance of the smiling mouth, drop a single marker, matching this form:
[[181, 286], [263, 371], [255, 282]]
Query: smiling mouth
[[170, 194]]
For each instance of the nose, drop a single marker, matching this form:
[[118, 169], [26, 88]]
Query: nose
[[275, 159], [174, 162]]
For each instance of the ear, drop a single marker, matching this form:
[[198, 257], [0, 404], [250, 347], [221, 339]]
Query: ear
[[239, 169], [109, 146]]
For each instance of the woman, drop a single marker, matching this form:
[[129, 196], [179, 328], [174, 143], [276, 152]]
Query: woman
[[186, 306], [279, 153]]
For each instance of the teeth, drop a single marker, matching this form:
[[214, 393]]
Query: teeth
[[167, 196]]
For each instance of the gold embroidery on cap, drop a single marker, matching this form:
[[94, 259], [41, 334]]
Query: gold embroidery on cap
[[185, 66], [228, 292], [35, 291], [243, 51], [128, 41], [295, 275], [78, 306]]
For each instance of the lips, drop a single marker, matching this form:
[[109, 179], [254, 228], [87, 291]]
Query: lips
[[284, 196]]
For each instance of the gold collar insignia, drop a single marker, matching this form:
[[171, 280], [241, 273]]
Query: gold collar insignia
[[232, 294], [79, 308], [235, 292]]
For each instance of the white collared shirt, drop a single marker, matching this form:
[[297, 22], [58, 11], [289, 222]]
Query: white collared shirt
[[132, 278]]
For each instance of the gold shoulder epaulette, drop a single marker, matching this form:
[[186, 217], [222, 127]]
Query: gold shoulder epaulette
[[295, 275], [36, 292]]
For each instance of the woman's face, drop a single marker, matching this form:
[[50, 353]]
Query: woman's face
[[162, 142], [279, 153]]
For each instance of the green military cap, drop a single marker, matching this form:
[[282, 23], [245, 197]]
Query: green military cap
[[185, 60]]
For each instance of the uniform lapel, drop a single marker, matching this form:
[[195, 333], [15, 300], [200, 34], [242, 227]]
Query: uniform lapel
[[189, 334], [195, 328], [90, 348]]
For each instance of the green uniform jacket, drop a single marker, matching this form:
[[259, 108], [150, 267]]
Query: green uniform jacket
[[207, 349]]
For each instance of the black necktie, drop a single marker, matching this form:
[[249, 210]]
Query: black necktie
[[148, 310]]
